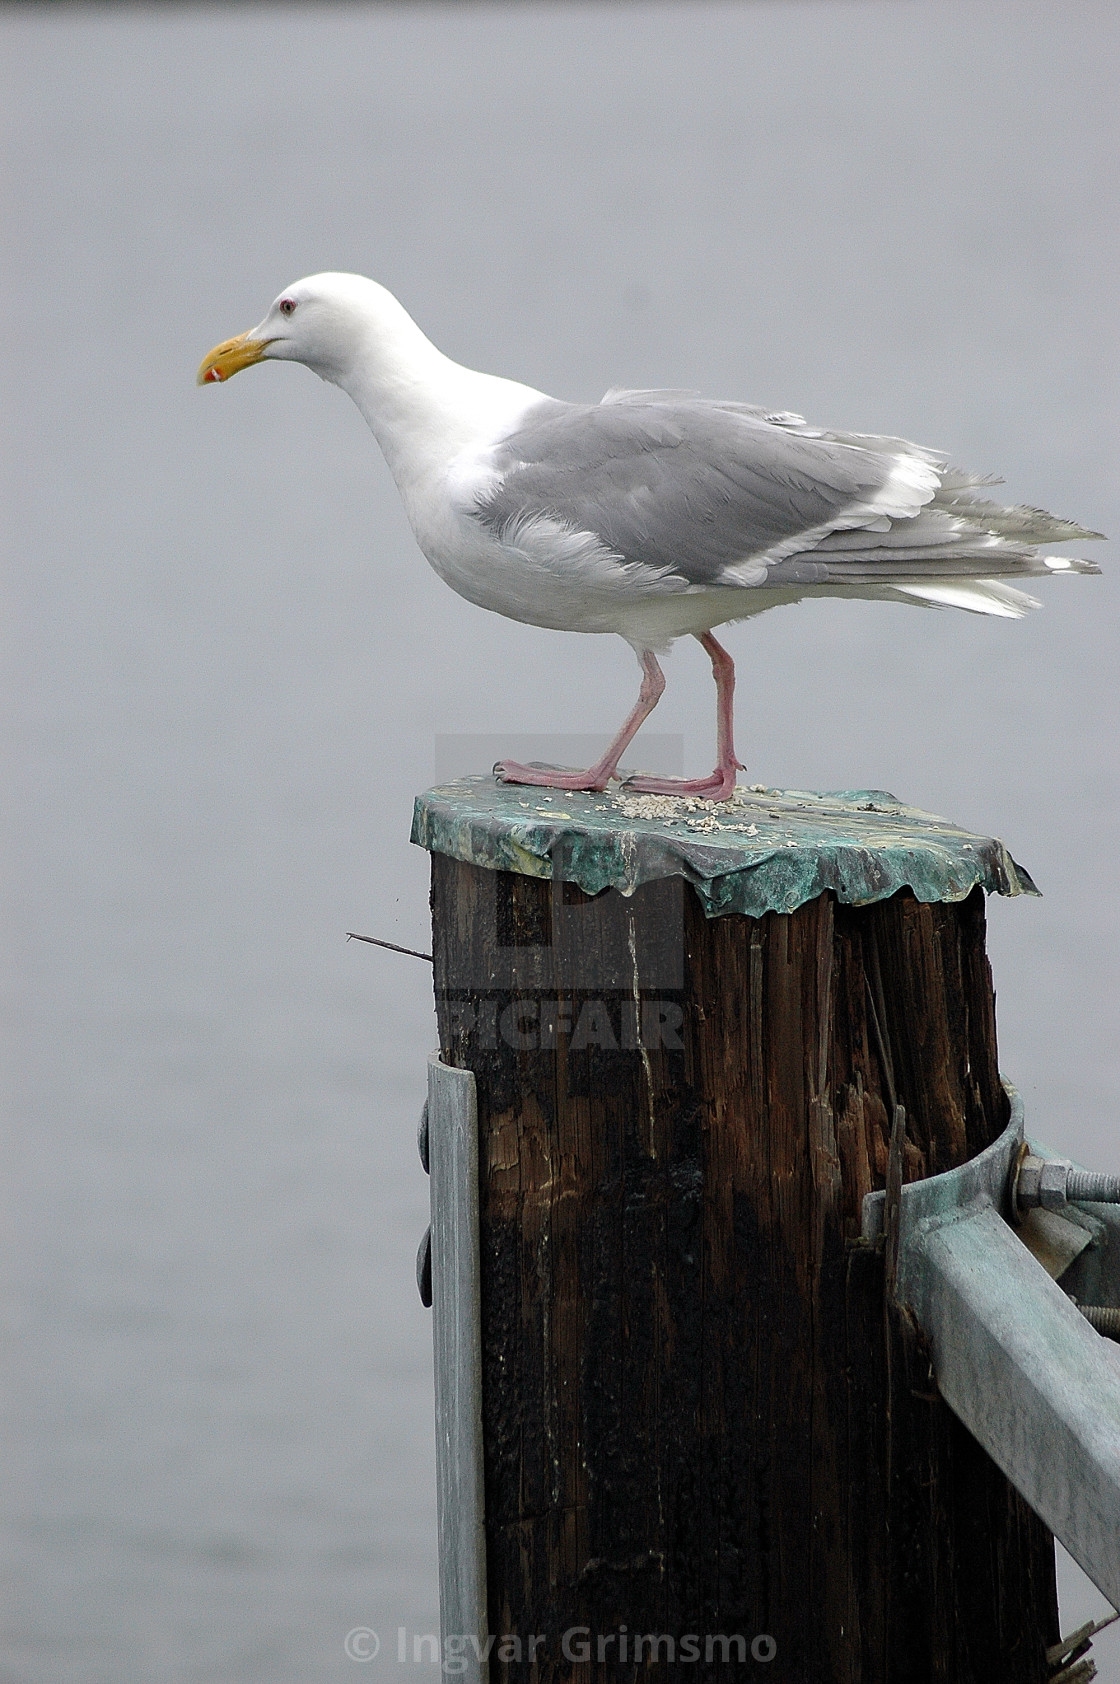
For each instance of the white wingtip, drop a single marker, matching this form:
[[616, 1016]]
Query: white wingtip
[[1068, 564]]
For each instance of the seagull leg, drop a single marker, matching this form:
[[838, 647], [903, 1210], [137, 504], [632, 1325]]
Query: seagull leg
[[721, 784], [597, 776]]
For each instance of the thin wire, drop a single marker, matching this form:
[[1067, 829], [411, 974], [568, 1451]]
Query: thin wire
[[374, 941]]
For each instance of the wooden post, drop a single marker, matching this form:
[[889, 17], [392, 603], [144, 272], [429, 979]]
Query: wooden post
[[709, 1437]]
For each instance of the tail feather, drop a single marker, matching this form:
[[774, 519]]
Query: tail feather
[[955, 537], [979, 596]]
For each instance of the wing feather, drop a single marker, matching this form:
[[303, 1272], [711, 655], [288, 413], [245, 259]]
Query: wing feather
[[709, 494]]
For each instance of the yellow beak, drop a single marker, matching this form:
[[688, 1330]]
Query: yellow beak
[[230, 357]]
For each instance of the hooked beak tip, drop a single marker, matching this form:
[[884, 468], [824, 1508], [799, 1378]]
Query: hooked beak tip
[[230, 357]]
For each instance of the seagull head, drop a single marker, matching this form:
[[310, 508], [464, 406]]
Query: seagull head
[[323, 321]]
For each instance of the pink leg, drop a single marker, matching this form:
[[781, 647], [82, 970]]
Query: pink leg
[[597, 776], [721, 784]]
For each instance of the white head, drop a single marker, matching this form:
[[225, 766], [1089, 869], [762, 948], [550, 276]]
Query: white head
[[328, 321]]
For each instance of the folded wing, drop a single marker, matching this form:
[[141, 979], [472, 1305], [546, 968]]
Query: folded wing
[[708, 494]]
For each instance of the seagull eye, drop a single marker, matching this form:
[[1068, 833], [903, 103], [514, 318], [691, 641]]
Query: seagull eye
[[287, 305]]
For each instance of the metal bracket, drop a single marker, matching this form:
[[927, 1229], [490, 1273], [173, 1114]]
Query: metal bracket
[[1013, 1357], [450, 1141]]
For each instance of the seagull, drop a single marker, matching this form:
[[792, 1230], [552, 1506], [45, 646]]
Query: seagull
[[651, 514]]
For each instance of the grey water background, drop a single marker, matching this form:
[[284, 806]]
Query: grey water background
[[226, 666]]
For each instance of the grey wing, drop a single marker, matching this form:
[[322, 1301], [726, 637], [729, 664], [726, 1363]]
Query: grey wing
[[722, 494], [707, 492]]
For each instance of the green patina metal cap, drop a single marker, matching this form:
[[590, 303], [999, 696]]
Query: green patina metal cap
[[766, 850]]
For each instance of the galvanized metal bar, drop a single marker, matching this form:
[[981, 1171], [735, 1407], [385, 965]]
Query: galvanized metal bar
[[1028, 1376], [1013, 1358], [457, 1331]]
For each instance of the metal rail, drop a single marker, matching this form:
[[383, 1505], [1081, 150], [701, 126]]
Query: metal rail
[[1013, 1356], [449, 1151]]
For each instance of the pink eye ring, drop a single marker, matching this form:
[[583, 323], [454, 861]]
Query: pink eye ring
[[287, 305]]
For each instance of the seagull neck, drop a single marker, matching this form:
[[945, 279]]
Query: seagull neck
[[423, 408]]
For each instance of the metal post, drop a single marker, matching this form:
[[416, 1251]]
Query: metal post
[[456, 1319]]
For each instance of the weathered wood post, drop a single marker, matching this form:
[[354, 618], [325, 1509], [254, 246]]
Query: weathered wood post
[[710, 1445]]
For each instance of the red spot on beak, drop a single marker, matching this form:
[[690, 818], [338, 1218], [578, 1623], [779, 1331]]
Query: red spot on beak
[[212, 374]]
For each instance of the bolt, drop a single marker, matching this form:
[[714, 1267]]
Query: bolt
[[1053, 1183], [1092, 1188], [1103, 1317]]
